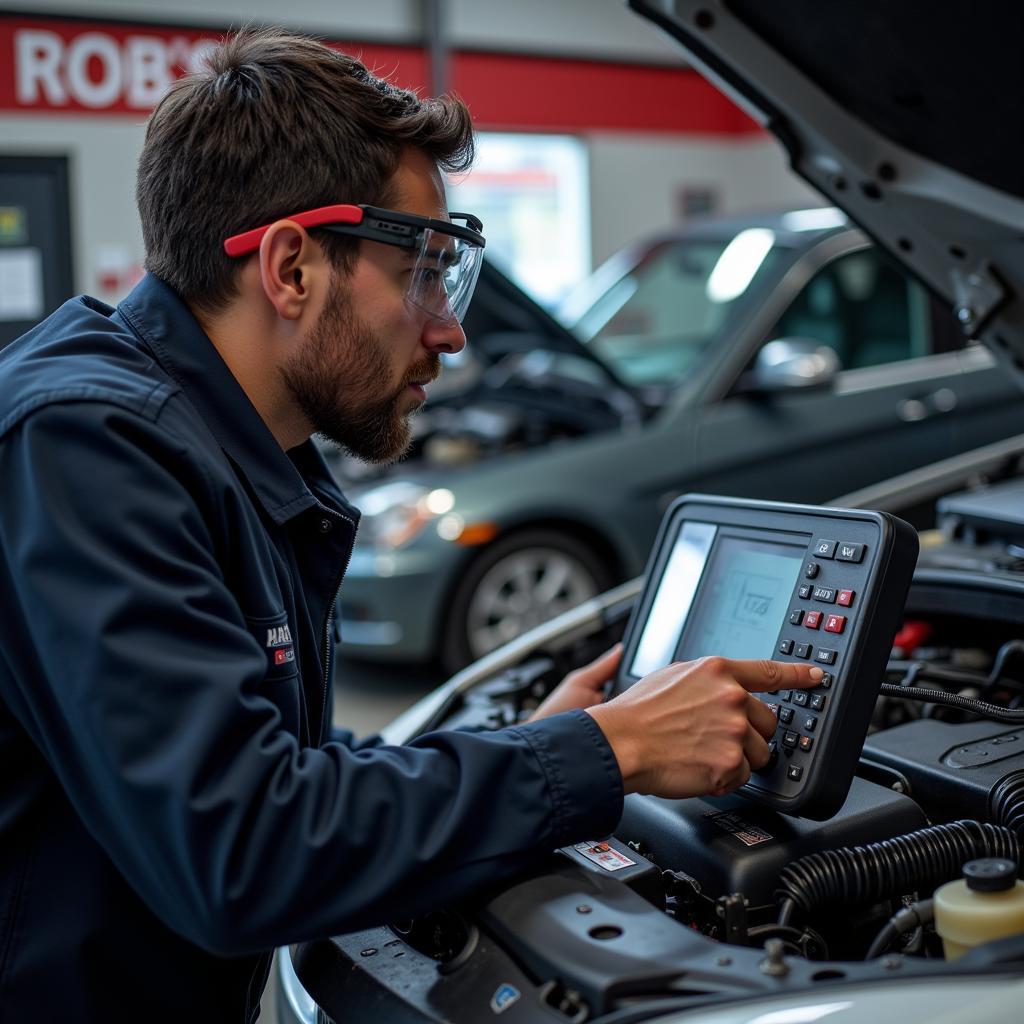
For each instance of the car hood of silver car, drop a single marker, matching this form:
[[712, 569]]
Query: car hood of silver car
[[908, 116]]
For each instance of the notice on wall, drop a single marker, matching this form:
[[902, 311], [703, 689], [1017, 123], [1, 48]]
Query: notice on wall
[[21, 284]]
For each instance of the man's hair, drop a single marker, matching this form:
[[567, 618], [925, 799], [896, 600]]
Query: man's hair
[[273, 125]]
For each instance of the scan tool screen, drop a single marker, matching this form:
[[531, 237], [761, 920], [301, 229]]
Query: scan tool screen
[[745, 595], [720, 592]]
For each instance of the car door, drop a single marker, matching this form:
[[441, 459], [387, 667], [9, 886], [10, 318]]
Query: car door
[[889, 409]]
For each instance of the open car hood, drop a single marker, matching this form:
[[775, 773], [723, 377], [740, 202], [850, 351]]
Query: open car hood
[[905, 115], [505, 319]]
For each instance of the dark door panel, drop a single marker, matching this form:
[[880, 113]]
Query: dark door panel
[[35, 241], [811, 446]]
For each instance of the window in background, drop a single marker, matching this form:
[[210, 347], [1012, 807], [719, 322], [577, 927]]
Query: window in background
[[532, 193]]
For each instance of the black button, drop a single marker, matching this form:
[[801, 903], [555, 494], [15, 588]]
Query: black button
[[806, 742], [817, 702], [811, 570], [789, 739], [825, 657], [794, 771], [826, 595], [802, 650], [326, 526], [800, 698], [785, 715], [805, 590], [796, 617], [850, 552], [809, 723], [826, 681], [785, 694], [786, 647], [825, 549]]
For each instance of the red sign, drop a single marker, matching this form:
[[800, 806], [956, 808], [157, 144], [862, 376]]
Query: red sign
[[58, 66], [78, 67]]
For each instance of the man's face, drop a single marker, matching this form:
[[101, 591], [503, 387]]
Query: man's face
[[342, 377], [360, 372]]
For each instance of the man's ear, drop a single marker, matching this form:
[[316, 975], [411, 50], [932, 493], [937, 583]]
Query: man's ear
[[292, 268]]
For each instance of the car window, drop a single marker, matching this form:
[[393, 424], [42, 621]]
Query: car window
[[864, 308], [653, 324]]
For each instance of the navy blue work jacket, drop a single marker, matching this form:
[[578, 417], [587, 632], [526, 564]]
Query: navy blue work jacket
[[172, 802]]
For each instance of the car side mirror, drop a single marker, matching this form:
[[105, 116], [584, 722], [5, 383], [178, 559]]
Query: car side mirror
[[787, 363]]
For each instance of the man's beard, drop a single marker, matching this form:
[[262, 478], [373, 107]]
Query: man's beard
[[337, 375]]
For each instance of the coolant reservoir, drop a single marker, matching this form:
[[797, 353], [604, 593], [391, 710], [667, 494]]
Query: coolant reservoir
[[986, 904]]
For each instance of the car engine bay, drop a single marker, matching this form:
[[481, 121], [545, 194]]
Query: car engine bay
[[696, 901]]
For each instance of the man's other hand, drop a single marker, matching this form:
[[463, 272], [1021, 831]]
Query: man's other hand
[[694, 728], [583, 688]]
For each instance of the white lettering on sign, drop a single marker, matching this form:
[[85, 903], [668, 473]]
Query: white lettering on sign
[[38, 56], [147, 73], [90, 93], [98, 71]]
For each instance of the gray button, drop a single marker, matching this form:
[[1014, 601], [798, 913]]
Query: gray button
[[850, 552], [824, 549]]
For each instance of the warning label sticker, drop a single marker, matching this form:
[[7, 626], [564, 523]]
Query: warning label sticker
[[604, 856], [749, 835]]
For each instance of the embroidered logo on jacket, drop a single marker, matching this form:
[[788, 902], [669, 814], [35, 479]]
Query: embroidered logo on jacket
[[279, 642], [279, 636]]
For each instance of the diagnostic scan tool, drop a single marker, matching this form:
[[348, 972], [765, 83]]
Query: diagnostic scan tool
[[756, 579]]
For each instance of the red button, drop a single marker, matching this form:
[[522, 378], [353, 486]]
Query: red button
[[812, 620], [835, 624], [845, 598]]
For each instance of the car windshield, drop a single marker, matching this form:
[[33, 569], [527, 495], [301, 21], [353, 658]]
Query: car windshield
[[653, 323]]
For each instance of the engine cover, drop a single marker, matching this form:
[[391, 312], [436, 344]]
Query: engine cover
[[730, 844]]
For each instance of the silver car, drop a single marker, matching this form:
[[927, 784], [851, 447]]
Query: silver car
[[781, 356]]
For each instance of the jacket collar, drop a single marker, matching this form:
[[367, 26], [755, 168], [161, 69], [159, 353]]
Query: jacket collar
[[177, 342]]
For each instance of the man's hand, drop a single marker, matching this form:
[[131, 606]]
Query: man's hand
[[583, 688], [694, 727]]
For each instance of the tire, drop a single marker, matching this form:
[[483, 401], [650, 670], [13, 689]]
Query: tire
[[521, 581]]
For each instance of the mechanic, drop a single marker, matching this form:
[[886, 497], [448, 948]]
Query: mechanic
[[173, 801]]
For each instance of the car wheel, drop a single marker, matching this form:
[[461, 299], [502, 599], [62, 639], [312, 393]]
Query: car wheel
[[523, 580]]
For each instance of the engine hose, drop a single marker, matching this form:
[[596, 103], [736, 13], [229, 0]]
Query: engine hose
[[954, 700], [917, 861], [1007, 803], [909, 919]]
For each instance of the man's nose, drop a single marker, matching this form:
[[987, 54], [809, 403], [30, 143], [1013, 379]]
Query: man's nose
[[443, 335]]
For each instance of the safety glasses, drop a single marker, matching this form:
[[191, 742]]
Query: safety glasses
[[444, 257]]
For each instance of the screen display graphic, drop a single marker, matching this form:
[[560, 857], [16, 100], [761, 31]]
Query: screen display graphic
[[745, 596]]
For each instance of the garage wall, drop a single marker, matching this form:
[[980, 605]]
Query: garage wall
[[637, 178], [105, 232], [594, 28], [637, 182]]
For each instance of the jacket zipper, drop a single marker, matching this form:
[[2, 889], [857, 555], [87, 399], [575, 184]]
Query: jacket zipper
[[325, 658]]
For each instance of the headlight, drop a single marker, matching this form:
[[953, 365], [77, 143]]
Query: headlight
[[396, 512]]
